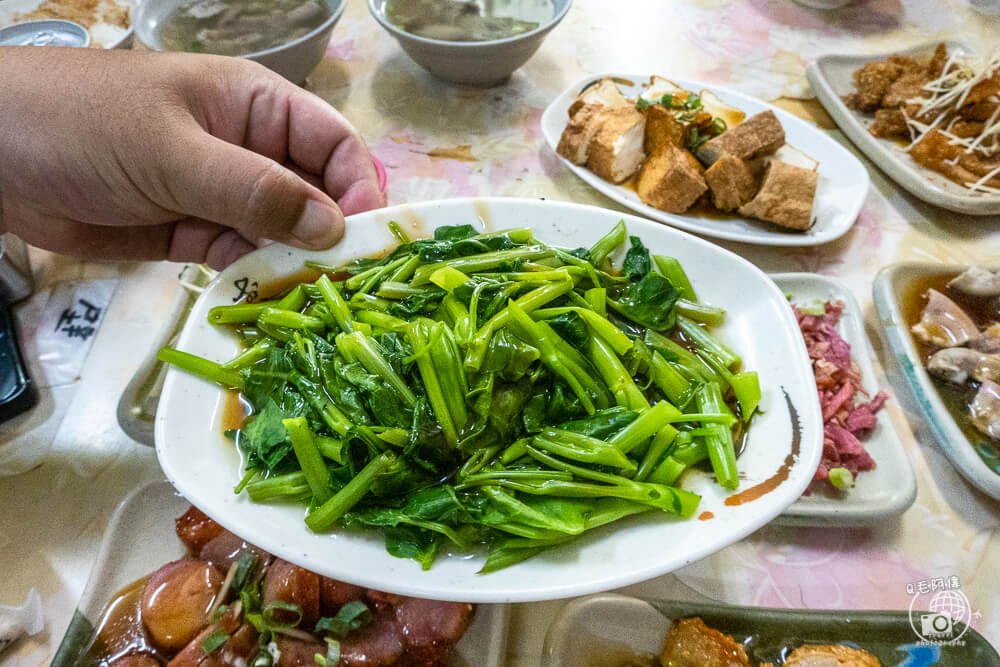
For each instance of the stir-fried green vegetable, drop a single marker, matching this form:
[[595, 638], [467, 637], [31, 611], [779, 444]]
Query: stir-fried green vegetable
[[484, 389]]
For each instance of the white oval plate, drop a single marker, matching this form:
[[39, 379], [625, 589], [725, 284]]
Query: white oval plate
[[890, 283], [831, 78], [204, 466], [842, 188], [890, 488], [141, 537]]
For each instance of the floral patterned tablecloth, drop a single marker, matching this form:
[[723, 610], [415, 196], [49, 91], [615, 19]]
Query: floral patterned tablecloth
[[438, 141]]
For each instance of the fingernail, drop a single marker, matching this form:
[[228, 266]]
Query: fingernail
[[319, 226]]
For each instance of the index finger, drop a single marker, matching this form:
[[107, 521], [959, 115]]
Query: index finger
[[323, 142]]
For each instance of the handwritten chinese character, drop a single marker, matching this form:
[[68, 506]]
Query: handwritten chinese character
[[247, 290], [953, 583], [91, 313], [67, 317], [923, 586], [937, 584]]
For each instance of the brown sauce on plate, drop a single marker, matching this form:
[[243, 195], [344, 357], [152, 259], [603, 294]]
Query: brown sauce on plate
[[784, 470], [119, 631]]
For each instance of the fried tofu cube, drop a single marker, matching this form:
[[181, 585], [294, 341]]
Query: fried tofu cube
[[785, 197], [671, 180], [574, 143], [662, 129], [605, 92], [756, 136], [616, 151], [732, 181]]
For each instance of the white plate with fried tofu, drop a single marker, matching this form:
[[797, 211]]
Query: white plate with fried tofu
[[759, 163], [832, 77]]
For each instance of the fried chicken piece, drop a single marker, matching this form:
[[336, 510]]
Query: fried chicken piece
[[691, 643], [888, 123], [834, 655], [936, 66], [907, 86], [872, 82], [935, 152]]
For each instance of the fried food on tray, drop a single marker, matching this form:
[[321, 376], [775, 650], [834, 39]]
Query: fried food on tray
[[691, 643], [946, 108], [835, 655], [688, 148]]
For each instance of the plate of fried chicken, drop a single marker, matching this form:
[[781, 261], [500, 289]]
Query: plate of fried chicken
[[929, 117], [706, 159]]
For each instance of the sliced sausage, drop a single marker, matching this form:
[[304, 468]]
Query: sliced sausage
[[335, 594], [379, 644], [223, 550], [137, 660], [195, 529], [176, 599], [193, 655], [431, 628], [298, 653], [236, 652], [294, 585]]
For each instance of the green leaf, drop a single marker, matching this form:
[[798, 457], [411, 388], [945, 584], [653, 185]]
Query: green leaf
[[649, 302], [637, 262], [352, 616], [214, 641], [570, 328], [454, 232]]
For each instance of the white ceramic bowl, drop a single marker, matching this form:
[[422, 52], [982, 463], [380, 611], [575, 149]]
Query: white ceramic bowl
[[480, 64], [204, 465], [293, 60]]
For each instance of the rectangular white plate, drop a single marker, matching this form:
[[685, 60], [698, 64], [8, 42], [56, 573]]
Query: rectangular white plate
[[831, 78], [141, 538], [890, 488], [888, 290], [843, 180]]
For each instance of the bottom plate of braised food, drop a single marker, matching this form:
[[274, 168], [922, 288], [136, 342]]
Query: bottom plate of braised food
[[619, 631], [172, 587]]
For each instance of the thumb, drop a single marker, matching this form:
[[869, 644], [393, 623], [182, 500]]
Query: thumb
[[218, 181]]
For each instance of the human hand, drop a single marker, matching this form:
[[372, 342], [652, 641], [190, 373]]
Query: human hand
[[142, 155]]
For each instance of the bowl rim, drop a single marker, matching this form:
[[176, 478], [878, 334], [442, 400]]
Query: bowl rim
[[328, 24], [68, 23], [379, 15]]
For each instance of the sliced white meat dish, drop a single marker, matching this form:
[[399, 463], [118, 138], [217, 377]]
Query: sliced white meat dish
[[985, 409], [943, 323], [977, 281], [959, 364]]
